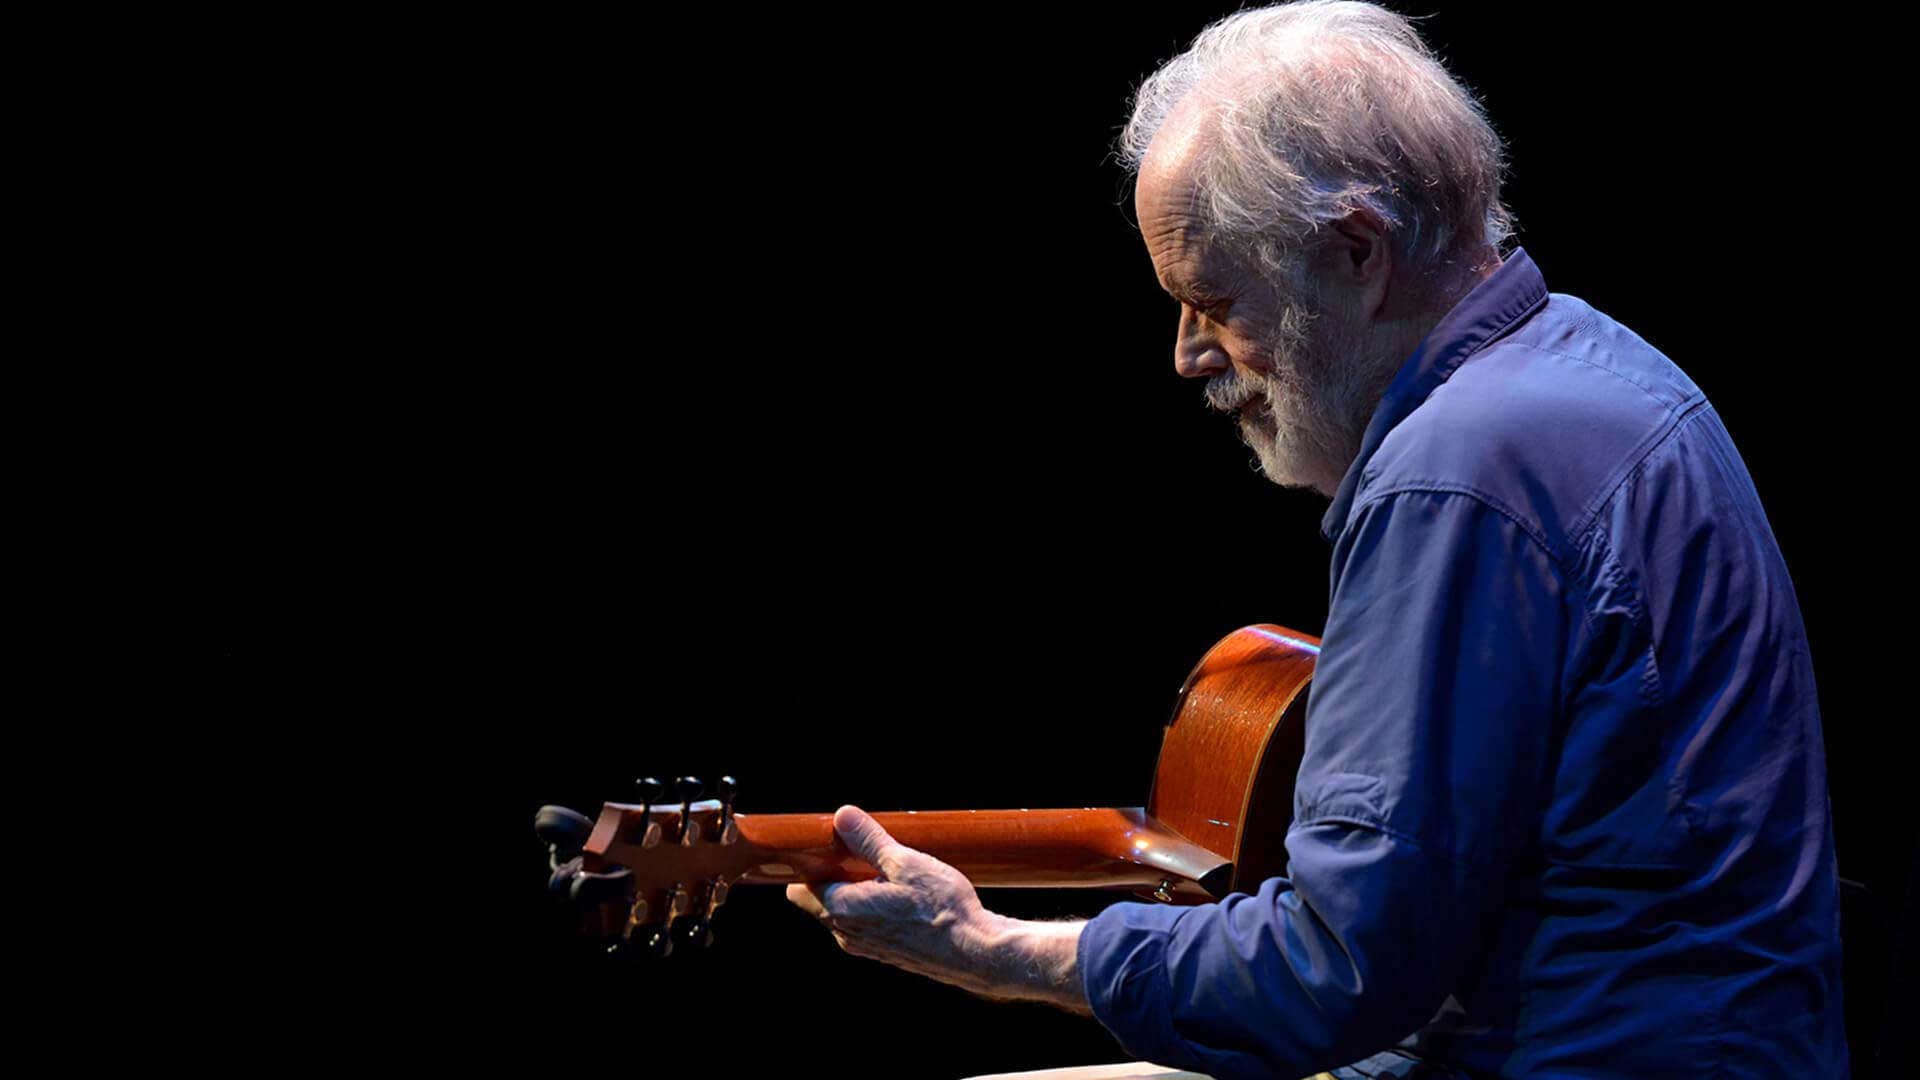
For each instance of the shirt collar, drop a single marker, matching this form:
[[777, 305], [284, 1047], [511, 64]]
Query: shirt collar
[[1496, 305]]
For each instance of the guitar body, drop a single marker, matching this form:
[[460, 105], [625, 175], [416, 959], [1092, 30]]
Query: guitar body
[[1232, 750], [1215, 822]]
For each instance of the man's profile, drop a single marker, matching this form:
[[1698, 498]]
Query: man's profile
[[1563, 805]]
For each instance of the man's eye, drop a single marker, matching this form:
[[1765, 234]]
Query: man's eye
[[1209, 306]]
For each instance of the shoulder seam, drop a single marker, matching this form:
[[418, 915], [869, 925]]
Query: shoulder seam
[[1486, 499], [1636, 384], [1578, 530]]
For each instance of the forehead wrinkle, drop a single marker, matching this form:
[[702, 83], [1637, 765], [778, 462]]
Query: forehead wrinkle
[[1174, 235], [1171, 213]]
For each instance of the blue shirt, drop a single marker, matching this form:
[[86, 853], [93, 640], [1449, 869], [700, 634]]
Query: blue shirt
[[1563, 806]]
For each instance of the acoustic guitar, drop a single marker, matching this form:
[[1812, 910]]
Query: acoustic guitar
[[645, 874]]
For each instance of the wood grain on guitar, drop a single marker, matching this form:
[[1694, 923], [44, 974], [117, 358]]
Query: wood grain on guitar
[[1215, 821]]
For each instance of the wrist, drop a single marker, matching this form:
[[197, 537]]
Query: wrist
[[1037, 961]]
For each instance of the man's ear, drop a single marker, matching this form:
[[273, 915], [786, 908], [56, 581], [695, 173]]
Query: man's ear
[[1362, 258]]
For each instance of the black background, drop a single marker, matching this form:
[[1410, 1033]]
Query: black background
[[426, 422]]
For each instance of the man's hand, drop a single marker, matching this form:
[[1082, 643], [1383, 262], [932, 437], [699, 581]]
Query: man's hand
[[922, 915]]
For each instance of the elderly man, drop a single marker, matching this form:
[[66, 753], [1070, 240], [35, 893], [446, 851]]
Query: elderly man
[[1563, 805]]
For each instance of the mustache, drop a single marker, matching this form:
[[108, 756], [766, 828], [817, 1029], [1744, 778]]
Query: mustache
[[1230, 391]]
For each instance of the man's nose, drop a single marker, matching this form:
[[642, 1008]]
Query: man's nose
[[1196, 350]]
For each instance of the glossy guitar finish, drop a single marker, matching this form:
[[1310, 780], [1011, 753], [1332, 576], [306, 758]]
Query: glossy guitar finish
[[1232, 750], [1215, 822], [1017, 849]]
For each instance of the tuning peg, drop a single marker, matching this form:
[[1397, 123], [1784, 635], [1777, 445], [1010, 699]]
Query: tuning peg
[[658, 939], [564, 831], [697, 929], [627, 952], [646, 834], [729, 787], [695, 933], [648, 943], [688, 788], [560, 882]]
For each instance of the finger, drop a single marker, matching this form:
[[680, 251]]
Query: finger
[[865, 838], [809, 898], [859, 901]]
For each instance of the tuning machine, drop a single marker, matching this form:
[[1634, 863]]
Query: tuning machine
[[688, 788], [697, 931], [646, 832], [683, 918], [564, 831], [727, 831], [643, 935]]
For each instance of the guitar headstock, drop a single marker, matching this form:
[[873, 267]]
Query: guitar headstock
[[647, 873]]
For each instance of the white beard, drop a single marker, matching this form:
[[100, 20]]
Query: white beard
[[1305, 417]]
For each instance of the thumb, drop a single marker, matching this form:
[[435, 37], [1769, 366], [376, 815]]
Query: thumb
[[865, 838]]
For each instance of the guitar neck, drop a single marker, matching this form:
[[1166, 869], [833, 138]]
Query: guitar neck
[[1079, 848]]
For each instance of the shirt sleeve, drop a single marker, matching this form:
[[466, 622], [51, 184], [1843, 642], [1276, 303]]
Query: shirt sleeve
[[1427, 733]]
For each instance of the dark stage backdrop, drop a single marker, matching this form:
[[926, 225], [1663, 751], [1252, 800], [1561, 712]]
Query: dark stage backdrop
[[432, 421]]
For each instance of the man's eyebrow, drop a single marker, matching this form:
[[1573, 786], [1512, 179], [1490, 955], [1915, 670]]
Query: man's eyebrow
[[1170, 285], [1183, 291]]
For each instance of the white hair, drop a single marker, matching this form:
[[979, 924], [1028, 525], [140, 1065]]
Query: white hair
[[1322, 107]]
